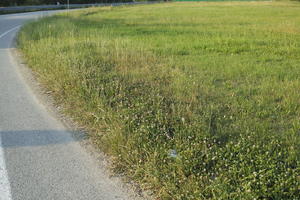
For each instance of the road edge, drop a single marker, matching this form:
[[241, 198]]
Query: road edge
[[78, 132]]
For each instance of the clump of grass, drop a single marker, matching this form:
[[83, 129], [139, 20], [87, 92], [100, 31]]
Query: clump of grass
[[193, 100]]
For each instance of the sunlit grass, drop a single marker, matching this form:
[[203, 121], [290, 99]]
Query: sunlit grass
[[215, 83]]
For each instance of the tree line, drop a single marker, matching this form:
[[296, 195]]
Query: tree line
[[44, 2]]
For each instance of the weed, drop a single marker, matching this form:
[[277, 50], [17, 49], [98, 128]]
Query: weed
[[216, 84]]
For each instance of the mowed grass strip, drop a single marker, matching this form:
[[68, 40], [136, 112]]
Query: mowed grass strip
[[192, 100]]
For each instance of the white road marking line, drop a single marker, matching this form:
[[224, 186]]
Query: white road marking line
[[10, 30], [5, 191]]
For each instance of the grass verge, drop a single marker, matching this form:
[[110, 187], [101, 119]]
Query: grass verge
[[192, 100]]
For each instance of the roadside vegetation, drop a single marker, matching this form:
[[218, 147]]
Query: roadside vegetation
[[191, 100]]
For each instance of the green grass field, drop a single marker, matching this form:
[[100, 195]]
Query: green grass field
[[191, 100]]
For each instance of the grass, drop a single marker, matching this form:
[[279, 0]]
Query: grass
[[191, 100]]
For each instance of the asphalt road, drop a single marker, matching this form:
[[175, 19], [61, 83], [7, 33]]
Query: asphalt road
[[39, 158]]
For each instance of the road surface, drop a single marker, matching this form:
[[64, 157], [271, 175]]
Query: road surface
[[39, 158]]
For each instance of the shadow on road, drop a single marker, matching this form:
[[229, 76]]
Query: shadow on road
[[30, 138]]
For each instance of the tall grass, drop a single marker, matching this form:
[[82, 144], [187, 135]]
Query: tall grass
[[193, 100]]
